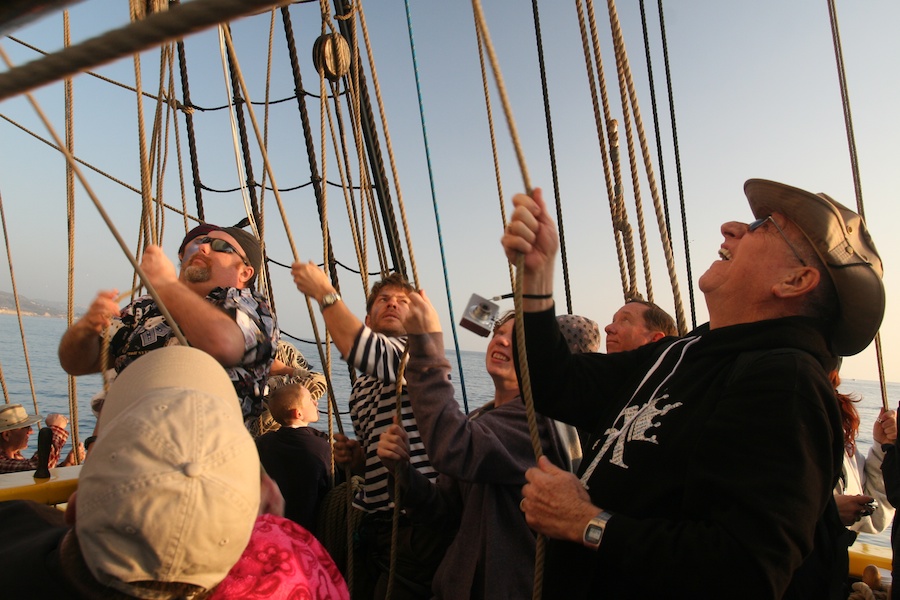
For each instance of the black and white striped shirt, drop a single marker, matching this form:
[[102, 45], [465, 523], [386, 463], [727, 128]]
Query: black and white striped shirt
[[373, 403]]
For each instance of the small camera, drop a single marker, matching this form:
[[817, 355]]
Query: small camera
[[479, 315], [869, 508]]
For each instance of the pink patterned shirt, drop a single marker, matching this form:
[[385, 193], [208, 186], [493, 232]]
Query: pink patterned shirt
[[282, 561]]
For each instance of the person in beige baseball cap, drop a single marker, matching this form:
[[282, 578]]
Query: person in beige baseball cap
[[167, 501]]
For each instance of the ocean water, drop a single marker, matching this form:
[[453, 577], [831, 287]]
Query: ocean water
[[50, 384]]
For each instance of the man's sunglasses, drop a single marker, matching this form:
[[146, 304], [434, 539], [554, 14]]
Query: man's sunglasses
[[219, 245], [760, 222]]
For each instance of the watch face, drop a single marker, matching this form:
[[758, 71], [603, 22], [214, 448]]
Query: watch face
[[593, 534]]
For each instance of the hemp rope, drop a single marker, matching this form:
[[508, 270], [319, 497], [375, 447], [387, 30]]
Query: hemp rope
[[599, 120], [70, 227], [15, 292], [626, 78], [520, 262]]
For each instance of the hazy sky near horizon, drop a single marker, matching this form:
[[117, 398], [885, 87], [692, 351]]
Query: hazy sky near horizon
[[756, 94]]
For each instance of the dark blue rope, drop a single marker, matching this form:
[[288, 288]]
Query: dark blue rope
[[437, 217]]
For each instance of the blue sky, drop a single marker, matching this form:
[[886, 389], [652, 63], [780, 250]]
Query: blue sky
[[756, 95]]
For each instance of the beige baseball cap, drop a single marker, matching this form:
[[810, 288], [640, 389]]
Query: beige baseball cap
[[840, 238], [171, 489]]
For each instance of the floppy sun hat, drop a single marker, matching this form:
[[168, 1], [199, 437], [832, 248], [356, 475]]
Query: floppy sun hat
[[842, 242], [171, 490], [13, 416]]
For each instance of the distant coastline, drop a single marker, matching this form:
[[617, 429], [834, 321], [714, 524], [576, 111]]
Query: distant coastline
[[33, 308], [27, 313]]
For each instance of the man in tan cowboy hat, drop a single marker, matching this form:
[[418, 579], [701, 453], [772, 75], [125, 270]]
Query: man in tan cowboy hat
[[16, 428], [166, 503], [212, 299], [719, 449]]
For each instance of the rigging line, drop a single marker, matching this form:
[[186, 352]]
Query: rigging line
[[236, 75], [648, 169], [628, 108], [656, 131], [12, 277], [343, 164], [315, 181], [151, 289], [189, 125], [854, 164], [598, 123], [174, 209], [268, 166], [156, 29], [621, 227], [494, 155], [72, 386], [434, 204], [232, 96], [178, 152], [147, 214], [552, 148], [683, 206], [390, 148], [262, 194], [520, 272], [371, 145]]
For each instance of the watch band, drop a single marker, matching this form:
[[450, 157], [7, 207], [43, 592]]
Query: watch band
[[328, 300], [593, 531]]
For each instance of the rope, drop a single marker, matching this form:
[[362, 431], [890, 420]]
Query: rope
[[520, 261], [146, 216], [15, 292], [552, 148], [156, 29], [70, 222], [313, 166], [494, 154], [854, 167], [626, 83], [598, 122], [389, 145], [189, 125]]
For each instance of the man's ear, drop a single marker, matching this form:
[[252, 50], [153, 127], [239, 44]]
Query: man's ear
[[656, 336], [246, 274], [798, 282]]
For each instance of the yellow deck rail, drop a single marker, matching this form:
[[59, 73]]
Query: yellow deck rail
[[55, 490], [863, 555]]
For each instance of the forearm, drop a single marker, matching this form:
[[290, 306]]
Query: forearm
[[60, 436], [342, 324], [205, 326], [497, 452], [79, 350]]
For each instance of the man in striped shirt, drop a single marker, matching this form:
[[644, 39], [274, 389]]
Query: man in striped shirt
[[375, 348]]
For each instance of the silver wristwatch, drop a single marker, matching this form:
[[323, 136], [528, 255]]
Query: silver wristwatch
[[328, 300], [593, 532]]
